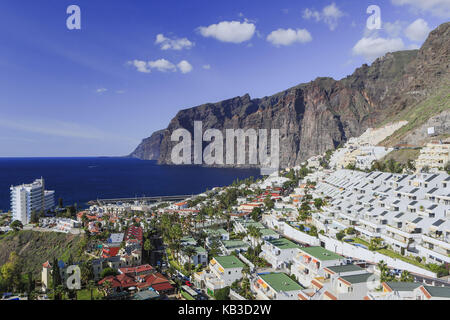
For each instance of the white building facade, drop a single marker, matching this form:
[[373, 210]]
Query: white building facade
[[27, 198]]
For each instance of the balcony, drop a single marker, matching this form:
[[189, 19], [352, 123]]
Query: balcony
[[436, 252], [367, 232], [391, 240], [436, 241], [399, 233]]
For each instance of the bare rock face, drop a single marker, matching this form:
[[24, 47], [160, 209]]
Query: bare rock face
[[148, 149], [317, 116]]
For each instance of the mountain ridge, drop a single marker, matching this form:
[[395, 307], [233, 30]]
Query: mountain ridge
[[319, 115]]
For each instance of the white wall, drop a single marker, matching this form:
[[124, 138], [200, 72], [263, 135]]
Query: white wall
[[290, 232], [349, 250]]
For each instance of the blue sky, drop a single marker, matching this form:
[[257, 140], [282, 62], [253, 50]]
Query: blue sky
[[101, 89]]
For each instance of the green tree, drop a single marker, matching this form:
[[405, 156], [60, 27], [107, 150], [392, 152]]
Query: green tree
[[318, 203], [269, 203], [222, 294], [108, 272], [16, 225], [256, 213], [11, 271], [340, 235], [148, 246], [406, 277], [189, 252], [87, 272]]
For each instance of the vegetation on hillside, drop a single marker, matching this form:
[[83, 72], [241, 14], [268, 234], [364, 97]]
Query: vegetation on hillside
[[418, 114], [34, 248]]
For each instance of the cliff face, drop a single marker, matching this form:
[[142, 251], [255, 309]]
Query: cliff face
[[318, 116], [148, 149]]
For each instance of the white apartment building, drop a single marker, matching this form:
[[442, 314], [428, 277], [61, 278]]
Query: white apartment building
[[409, 213], [279, 252], [222, 272], [309, 263], [200, 257], [434, 156], [276, 286], [27, 198]]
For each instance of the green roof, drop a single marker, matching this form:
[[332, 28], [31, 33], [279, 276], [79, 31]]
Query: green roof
[[403, 286], [145, 295], [231, 244], [345, 268], [254, 224], [280, 282], [188, 239], [321, 253], [284, 243], [443, 292], [228, 262], [267, 232], [219, 231], [357, 278], [200, 250]]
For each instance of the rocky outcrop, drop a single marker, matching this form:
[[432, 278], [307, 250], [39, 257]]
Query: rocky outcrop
[[319, 115], [149, 148]]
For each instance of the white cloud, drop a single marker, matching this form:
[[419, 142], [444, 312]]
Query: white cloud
[[184, 66], [330, 15], [372, 48], [101, 90], [120, 91], [140, 65], [393, 29], [439, 8], [162, 65], [229, 31], [418, 30], [286, 37], [206, 66], [173, 44], [308, 14]]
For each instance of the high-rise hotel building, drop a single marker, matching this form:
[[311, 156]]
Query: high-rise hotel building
[[27, 198]]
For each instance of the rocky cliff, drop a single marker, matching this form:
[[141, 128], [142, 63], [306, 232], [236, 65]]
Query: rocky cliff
[[319, 115], [148, 149]]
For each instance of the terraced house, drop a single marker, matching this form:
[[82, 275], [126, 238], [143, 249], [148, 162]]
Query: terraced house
[[276, 286], [222, 272]]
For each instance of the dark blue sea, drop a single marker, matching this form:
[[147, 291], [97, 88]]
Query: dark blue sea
[[78, 180]]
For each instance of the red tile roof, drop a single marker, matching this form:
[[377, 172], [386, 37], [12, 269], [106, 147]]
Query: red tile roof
[[108, 252], [155, 280], [329, 295]]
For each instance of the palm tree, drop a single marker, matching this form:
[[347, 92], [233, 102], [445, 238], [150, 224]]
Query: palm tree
[[148, 246], [246, 270], [245, 284], [406, 277], [90, 286], [106, 287], [190, 252], [202, 237], [255, 233], [384, 271]]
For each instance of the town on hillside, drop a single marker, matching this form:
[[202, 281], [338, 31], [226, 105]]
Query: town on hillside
[[345, 225]]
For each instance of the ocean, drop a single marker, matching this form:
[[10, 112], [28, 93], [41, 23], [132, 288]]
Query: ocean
[[79, 180]]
